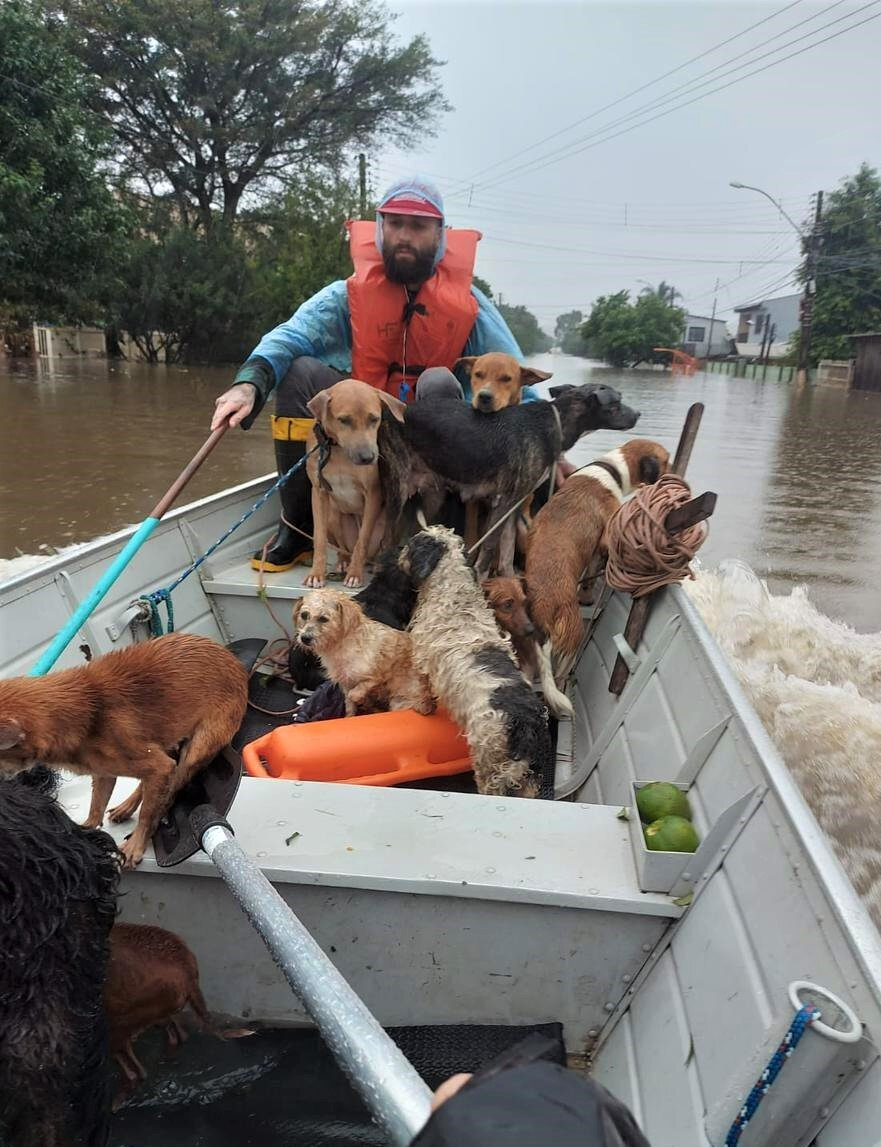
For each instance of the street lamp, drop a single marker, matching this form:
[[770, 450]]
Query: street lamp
[[749, 187]]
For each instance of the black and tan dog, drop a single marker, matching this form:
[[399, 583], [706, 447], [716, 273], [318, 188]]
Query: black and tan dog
[[502, 455]]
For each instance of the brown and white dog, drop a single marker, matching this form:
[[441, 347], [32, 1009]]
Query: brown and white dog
[[123, 715], [507, 599], [569, 531], [347, 509], [371, 662], [497, 381]]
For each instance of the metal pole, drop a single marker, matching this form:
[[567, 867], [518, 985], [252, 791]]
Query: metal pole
[[397, 1097], [362, 184], [713, 319], [807, 315]]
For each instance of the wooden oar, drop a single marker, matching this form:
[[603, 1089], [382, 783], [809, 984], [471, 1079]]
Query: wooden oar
[[144, 530]]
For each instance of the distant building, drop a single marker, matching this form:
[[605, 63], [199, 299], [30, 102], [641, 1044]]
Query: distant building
[[698, 340], [774, 318]]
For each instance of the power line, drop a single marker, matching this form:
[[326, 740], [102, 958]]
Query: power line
[[634, 92], [554, 157]]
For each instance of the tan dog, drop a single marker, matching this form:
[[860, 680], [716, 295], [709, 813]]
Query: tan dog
[[569, 532], [497, 381], [122, 715], [346, 492], [371, 662], [507, 599], [151, 976]]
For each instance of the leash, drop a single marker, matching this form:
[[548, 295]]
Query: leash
[[324, 447]]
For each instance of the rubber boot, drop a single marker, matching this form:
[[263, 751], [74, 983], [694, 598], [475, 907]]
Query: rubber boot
[[287, 545]]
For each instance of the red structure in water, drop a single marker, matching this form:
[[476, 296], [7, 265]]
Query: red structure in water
[[680, 362]]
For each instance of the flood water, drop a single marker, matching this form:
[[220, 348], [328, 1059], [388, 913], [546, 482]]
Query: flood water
[[89, 446]]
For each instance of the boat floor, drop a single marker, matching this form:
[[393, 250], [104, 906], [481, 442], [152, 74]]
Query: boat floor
[[284, 1087]]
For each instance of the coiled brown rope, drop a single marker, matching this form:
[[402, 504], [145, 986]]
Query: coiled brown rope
[[643, 555]]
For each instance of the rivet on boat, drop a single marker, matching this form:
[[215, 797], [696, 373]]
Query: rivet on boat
[[626, 979], [592, 1033], [490, 870], [646, 947], [686, 876], [608, 1007]]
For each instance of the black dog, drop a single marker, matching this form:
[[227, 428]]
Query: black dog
[[502, 455], [389, 597], [58, 886]]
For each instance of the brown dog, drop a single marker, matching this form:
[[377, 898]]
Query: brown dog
[[497, 379], [507, 599], [346, 492], [569, 531], [122, 715], [151, 976], [371, 662]]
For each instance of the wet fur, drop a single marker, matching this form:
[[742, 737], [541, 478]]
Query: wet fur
[[471, 668], [151, 977], [58, 886], [568, 534], [502, 455], [371, 662], [507, 599], [123, 715]]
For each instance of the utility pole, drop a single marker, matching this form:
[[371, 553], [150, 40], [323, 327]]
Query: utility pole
[[362, 184], [713, 319], [807, 302]]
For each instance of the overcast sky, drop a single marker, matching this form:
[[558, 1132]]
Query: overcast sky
[[653, 203]]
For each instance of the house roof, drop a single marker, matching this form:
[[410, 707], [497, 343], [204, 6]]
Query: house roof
[[762, 302], [705, 318]]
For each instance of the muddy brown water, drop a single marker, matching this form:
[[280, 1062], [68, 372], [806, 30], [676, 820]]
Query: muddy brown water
[[88, 447]]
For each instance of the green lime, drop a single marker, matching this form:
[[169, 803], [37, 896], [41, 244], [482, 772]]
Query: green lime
[[661, 798], [671, 834]]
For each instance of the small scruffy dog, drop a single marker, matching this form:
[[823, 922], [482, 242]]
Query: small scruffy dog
[[471, 668], [371, 662]]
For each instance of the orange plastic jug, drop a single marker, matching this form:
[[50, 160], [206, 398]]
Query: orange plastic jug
[[377, 749]]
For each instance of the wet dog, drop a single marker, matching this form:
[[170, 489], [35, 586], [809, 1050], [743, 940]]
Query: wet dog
[[503, 455], [471, 668], [508, 601], [497, 380], [57, 904], [371, 662], [123, 715], [568, 533], [152, 976], [347, 502]]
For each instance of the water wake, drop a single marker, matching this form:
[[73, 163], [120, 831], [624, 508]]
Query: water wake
[[816, 685]]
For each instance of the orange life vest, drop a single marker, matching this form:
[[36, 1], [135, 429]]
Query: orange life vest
[[388, 351]]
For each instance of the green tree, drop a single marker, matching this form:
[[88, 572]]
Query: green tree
[[664, 291], [299, 246], [214, 103], [625, 333], [567, 333], [525, 329], [848, 281], [482, 285], [59, 224]]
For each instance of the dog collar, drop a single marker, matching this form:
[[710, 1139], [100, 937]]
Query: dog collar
[[325, 444], [610, 469]]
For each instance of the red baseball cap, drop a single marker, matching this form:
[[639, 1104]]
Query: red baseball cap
[[413, 197]]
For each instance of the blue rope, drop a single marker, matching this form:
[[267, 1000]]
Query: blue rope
[[803, 1019], [153, 600]]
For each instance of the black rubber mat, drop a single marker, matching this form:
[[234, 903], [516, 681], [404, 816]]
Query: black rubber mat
[[283, 1087]]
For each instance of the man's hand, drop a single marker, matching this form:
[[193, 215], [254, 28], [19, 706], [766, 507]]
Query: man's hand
[[448, 1089], [234, 405]]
